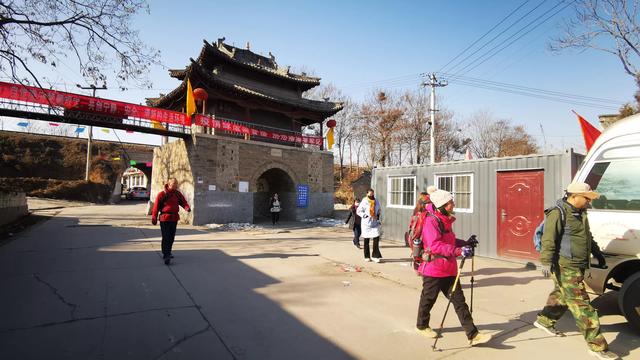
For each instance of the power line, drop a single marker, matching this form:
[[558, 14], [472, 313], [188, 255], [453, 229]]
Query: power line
[[497, 36], [512, 35], [482, 37]]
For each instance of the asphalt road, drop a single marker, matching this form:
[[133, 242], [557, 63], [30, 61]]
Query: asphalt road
[[89, 283]]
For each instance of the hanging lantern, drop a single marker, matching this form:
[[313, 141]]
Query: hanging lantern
[[200, 94], [331, 123]]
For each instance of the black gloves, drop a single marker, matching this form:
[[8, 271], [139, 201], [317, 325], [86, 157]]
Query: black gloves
[[472, 241], [595, 250]]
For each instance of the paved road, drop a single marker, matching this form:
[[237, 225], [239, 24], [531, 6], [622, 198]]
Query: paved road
[[89, 284]]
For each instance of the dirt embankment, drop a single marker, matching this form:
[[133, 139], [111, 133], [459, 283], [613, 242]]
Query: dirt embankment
[[54, 167]]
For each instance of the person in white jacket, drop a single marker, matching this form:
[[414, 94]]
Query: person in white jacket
[[369, 211]]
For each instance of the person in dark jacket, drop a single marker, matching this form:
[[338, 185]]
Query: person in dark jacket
[[354, 223], [274, 208], [566, 254], [167, 205]]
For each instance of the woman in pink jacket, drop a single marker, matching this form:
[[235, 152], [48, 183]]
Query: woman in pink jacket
[[440, 269]]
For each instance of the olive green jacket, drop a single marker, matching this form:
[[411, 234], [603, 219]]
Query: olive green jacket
[[573, 248]]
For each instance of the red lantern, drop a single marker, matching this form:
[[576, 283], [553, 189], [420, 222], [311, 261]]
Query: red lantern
[[331, 123], [200, 94]]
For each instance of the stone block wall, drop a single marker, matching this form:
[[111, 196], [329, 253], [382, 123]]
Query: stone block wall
[[13, 205], [210, 169]]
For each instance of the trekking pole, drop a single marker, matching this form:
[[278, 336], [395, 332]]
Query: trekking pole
[[472, 271], [453, 288]]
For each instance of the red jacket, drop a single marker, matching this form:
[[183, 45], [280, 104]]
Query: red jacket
[[171, 200]]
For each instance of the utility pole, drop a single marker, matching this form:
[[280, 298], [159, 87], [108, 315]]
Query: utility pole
[[93, 88], [433, 83]]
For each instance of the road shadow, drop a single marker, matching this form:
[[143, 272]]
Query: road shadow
[[96, 292]]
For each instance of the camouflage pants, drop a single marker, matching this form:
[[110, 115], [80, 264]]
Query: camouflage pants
[[569, 293]]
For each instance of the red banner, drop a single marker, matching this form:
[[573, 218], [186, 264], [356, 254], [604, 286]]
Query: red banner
[[203, 120], [90, 104]]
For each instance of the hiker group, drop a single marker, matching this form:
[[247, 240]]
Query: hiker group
[[564, 240]]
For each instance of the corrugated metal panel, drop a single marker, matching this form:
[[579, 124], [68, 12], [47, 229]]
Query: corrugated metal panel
[[483, 220]]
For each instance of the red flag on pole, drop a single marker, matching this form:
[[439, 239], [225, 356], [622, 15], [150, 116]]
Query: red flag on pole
[[589, 132], [467, 155]]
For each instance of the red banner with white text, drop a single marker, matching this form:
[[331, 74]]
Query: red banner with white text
[[203, 120], [90, 104]]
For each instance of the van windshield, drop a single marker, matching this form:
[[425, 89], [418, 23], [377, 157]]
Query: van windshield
[[618, 183]]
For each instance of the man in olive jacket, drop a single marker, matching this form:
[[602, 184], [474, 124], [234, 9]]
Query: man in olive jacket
[[567, 245]]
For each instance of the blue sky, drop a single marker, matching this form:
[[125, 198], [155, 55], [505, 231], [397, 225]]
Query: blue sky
[[359, 45]]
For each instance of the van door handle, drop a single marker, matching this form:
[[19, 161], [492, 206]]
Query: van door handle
[[503, 213]]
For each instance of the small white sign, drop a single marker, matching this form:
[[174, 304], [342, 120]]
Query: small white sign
[[276, 152], [212, 188], [243, 186], [200, 180]]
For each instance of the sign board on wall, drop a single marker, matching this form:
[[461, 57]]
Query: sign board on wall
[[243, 186], [303, 196]]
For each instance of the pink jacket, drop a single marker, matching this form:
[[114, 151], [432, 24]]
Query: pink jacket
[[440, 245]]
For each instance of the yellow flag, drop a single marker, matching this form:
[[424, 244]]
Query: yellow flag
[[330, 139], [191, 102]]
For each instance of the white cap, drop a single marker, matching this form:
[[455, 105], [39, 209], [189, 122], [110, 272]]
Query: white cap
[[440, 197], [431, 189]]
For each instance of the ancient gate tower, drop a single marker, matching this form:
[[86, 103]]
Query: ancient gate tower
[[246, 140]]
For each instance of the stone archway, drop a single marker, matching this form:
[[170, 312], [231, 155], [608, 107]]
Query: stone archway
[[267, 182]]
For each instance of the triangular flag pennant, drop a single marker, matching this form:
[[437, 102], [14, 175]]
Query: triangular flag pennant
[[54, 124], [589, 132], [130, 131], [23, 124], [79, 130], [106, 131], [116, 159], [467, 155], [191, 102], [132, 162], [157, 125]]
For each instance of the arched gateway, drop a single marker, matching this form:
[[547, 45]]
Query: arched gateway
[[274, 180]]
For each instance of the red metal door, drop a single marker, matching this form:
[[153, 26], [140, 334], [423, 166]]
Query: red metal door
[[520, 210]]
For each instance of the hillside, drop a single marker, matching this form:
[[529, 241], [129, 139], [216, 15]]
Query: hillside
[[54, 167]]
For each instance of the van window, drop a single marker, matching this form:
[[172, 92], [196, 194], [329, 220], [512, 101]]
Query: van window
[[618, 183]]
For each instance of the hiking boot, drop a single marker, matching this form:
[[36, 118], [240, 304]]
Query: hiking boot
[[167, 260], [376, 260], [480, 339], [604, 355], [428, 332], [551, 330]]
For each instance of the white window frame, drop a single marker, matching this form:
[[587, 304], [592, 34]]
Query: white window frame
[[401, 177], [437, 177]]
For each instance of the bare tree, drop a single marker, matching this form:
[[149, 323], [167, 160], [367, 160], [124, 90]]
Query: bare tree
[[382, 115], [449, 138], [492, 137], [417, 122], [611, 26], [96, 33]]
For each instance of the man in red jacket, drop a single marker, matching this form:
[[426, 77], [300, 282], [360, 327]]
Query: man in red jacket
[[167, 204]]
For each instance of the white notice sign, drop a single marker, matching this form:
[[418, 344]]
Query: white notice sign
[[243, 186], [212, 188]]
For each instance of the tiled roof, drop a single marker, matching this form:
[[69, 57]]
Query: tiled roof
[[249, 60], [210, 79]]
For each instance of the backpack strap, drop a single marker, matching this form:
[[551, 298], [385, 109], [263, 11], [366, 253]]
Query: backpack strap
[[440, 223]]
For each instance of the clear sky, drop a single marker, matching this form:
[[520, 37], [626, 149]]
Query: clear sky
[[361, 46]]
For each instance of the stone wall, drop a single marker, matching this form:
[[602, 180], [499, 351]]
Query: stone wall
[[210, 170], [13, 205]]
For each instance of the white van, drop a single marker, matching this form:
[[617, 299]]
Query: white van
[[612, 168]]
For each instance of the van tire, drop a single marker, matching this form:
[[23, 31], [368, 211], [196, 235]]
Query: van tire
[[629, 300]]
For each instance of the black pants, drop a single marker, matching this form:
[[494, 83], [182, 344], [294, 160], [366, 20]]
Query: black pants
[[431, 286], [168, 229], [275, 216], [357, 230], [376, 248]]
